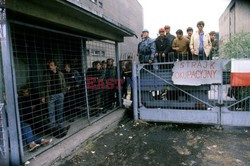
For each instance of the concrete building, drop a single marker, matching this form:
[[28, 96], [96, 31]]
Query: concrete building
[[126, 12], [75, 32], [235, 19]]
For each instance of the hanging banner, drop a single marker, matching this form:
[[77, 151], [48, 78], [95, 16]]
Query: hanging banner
[[240, 72], [197, 73]]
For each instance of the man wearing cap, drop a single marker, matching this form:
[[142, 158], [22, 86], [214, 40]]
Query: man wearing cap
[[162, 45], [200, 44], [180, 45], [171, 38], [146, 48], [146, 56]]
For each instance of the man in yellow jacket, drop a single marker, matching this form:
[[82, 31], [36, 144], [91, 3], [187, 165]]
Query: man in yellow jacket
[[200, 44]]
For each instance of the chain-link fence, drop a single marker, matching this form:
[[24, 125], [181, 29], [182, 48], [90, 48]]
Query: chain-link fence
[[63, 83]]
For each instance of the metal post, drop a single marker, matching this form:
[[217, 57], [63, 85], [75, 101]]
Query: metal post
[[10, 92], [4, 152], [4, 144], [135, 97], [139, 87], [4, 156], [118, 73], [84, 70]]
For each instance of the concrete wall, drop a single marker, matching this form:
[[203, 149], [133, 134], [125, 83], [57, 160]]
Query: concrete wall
[[129, 13], [224, 24], [242, 21], [242, 16]]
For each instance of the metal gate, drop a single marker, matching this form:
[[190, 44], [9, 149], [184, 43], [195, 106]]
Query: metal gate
[[158, 99]]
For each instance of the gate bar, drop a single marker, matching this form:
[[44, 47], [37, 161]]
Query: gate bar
[[84, 71], [135, 97], [239, 101], [10, 95], [118, 73]]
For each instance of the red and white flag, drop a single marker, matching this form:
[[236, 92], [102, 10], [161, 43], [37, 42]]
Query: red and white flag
[[240, 72]]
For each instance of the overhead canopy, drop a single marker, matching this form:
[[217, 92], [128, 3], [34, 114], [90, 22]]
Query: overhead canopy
[[63, 14]]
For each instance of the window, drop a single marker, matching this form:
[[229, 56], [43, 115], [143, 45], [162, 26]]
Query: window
[[87, 52], [100, 4], [97, 53], [94, 1]]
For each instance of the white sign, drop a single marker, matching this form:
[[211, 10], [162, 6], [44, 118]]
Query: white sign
[[197, 72]]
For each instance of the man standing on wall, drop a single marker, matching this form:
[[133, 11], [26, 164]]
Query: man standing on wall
[[147, 49], [54, 90], [200, 44], [147, 56], [215, 45], [162, 44], [190, 33], [180, 45], [171, 57]]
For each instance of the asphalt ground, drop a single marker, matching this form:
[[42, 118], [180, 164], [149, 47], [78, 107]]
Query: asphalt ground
[[164, 144]]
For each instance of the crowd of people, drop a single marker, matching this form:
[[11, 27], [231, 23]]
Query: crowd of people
[[64, 91], [166, 47], [63, 97]]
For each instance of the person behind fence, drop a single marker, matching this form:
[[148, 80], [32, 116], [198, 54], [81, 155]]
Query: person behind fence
[[171, 55], [180, 45], [54, 90], [127, 74], [31, 104], [190, 33], [110, 74], [162, 45], [138, 46], [73, 82], [215, 45], [26, 109], [200, 44], [147, 50], [104, 66], [96, 75]]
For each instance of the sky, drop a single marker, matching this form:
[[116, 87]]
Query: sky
[[180, 14]]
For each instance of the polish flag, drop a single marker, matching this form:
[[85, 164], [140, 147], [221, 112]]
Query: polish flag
[[240, 72]]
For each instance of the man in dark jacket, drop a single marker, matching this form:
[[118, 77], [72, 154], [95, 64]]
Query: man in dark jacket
[[190, 33], [95, 94], [215, 46], [147, 49], [72, 98], [162, 45], [147, 56], [54, 90], [171, 55], [28, 118], [110, 76]]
